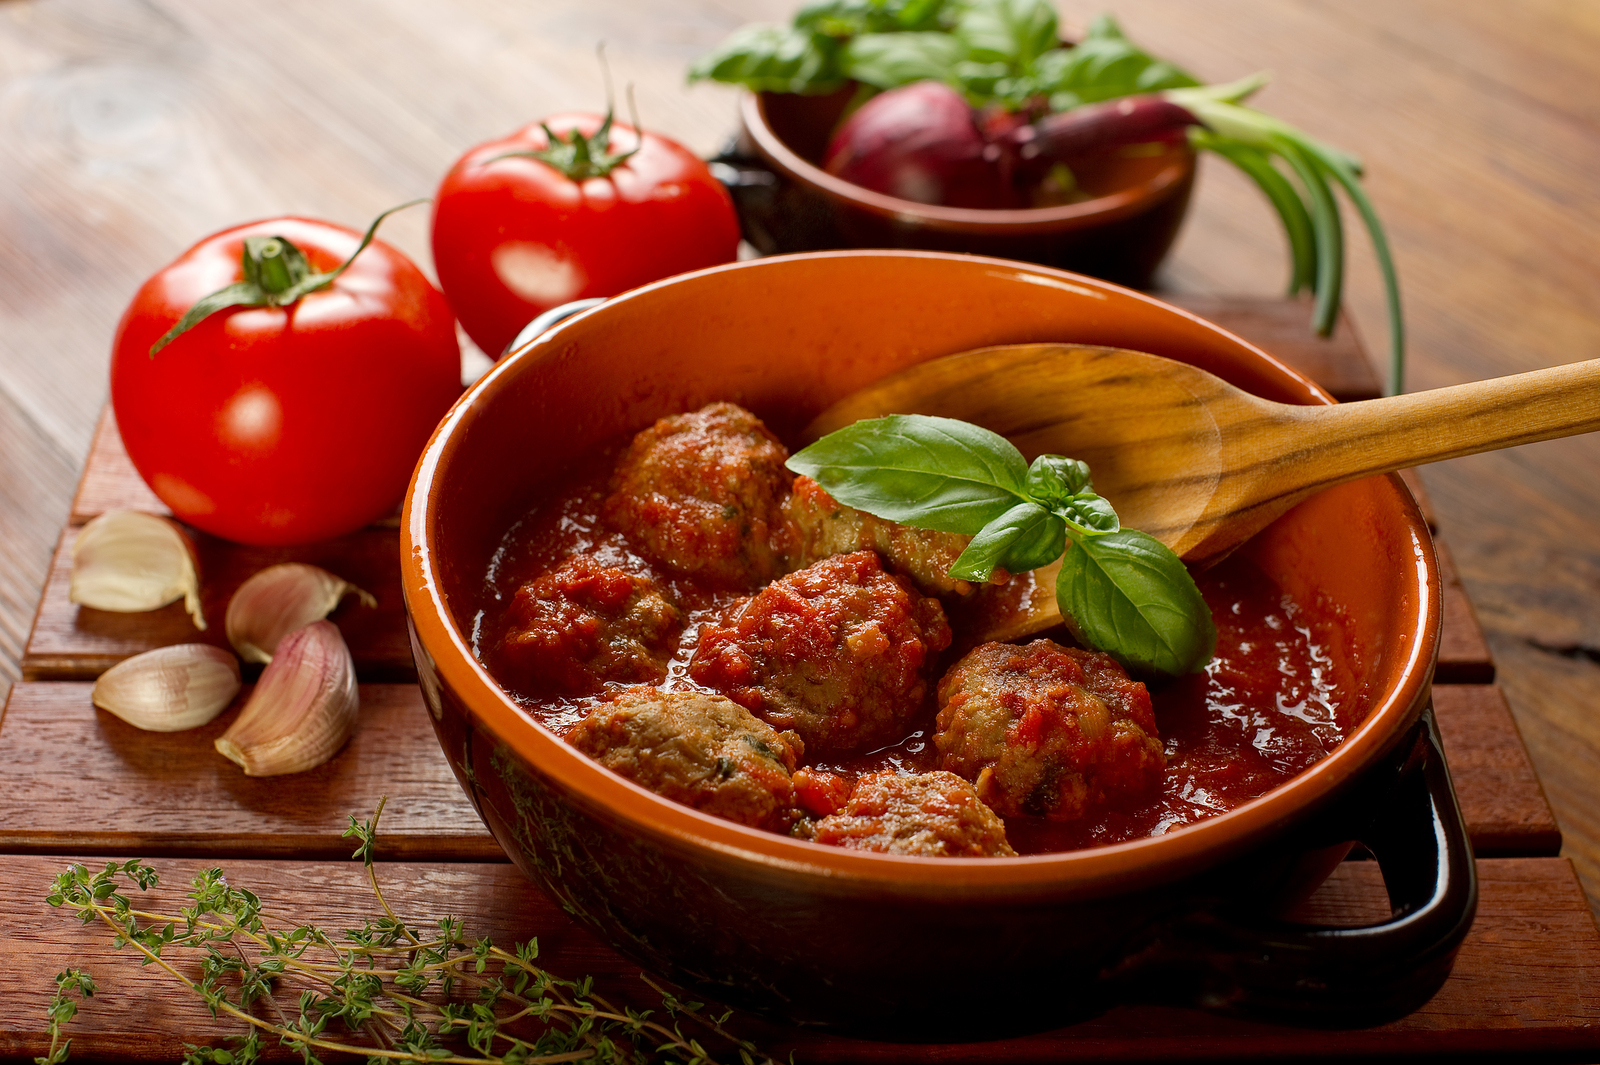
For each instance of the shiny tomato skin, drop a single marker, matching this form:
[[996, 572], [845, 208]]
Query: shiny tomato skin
[[285, 425], [513, 237]]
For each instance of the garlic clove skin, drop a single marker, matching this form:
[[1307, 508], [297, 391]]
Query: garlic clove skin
[[303, 708], [280, 599], [128, 561], [171, 688]]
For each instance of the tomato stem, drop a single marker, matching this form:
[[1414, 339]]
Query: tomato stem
[[578, 157], [276, 274], [275, 267]]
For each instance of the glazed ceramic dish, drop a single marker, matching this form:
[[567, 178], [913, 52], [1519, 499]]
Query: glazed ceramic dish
[[874, 943], [788, 203]]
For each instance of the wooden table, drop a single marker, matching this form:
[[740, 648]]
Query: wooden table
[[132, 129]]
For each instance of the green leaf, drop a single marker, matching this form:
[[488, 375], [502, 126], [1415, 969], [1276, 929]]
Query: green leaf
[[1257, 164], [1023, 538], [1089, 514], [931, 473], [1326, 225], [847, 18], [1127, 594], [238, 294], [1013, 32], [888, 60], [1348, 175], [1054, 479], [769, 58], [1103, 66]]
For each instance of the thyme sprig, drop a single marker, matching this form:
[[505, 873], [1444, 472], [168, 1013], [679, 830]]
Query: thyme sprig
[[400, 992]]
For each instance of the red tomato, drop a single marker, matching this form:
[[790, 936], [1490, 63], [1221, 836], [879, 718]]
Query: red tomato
[[513, 237], [284, 425]]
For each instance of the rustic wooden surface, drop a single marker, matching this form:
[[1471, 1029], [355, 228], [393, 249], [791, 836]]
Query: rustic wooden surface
[[146, 795], [1515, 944], [131, 128]]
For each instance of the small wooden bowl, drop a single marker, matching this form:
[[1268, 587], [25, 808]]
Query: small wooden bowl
[[788, 203], [914, 947]]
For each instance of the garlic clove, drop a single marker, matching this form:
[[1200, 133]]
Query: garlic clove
[[280, 599], [129, 561], [303, 708], [171, 688]]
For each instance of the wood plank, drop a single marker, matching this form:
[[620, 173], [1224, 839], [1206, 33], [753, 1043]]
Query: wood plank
[[1282, 328], [1523, 982], [1504, 806], [33, 480], [109, 480], [172, 793], [69, 642], [1463, 652]]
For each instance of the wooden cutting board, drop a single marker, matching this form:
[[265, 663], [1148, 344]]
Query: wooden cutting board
[[82, 783]]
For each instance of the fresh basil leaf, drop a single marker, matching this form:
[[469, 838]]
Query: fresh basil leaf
[[889, 60], [1127, 594], [931, 473], [1013, 32], [770, 58], [982, 81], [847, 18], [1089, 514], [1023, 538], [1104, 66], [1054, 479]]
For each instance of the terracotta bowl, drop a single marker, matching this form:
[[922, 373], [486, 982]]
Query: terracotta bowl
[[874, 943], [788, 203]]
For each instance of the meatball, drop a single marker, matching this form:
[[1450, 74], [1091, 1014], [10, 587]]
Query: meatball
[[700, 750], [701, 493], [583, 624], [935, 815], [816, 526], [1047, 730], [840, 652]]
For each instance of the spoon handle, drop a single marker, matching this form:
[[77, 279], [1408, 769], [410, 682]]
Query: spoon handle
[[1350, 440]]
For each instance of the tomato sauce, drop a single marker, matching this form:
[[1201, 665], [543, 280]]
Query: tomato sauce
[[1272, 702]]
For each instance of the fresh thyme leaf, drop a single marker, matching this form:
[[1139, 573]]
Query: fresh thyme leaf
[[360, 992], [932, 473]]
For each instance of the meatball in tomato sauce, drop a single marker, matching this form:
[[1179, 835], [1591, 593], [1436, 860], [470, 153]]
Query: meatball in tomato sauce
[[582, 625], [701, 494], [840, 652], [700, 750], [1047, 730], [817, 526], [934, 815]]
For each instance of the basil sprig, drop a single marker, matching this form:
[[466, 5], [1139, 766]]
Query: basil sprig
[[1120, 590], [997, 51]]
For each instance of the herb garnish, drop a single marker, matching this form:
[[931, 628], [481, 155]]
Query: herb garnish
[[395, 988], [1008, 55], [1120, 590]]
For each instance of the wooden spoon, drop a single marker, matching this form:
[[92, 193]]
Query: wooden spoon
[[1192, 460]]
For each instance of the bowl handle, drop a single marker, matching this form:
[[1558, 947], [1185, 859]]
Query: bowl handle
[[553, 316], [1339, 976]]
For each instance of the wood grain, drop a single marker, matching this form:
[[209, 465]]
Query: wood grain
[[172, 793], [152, 788], [1504, 806], [1339, 363], [1522, 981], [73, 642], [134, 127]]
